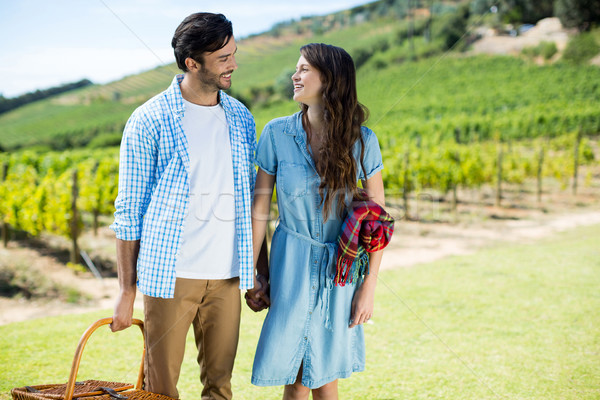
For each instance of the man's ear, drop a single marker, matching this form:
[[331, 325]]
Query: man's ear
[[191, 64]]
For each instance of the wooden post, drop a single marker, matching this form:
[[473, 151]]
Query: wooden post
[[539, 175], [411, 27], [456, 159], [576, 161], [428, 30], [454, 202], [96, 211], [5, 227], [96, 214], [74, 220], [405, 188], [499, 177]]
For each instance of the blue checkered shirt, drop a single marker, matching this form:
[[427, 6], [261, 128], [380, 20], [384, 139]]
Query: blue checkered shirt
[[154, 186]]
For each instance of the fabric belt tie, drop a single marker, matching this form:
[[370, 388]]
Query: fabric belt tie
[[326, 273]]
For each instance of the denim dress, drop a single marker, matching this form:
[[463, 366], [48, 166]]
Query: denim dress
[[308, 321]]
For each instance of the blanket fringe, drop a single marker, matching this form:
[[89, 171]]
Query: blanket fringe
[[350, 271]]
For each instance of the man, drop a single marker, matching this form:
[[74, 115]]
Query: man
[[182, 220]]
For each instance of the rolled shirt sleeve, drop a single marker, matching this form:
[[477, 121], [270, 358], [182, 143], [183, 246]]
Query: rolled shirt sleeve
[[137, 166]]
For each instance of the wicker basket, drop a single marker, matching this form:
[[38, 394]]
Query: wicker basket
[[90, 389]]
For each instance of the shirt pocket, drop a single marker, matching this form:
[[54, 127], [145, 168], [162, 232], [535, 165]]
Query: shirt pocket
[[293, 178]]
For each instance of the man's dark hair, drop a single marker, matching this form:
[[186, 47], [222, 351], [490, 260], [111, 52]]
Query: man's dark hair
[[199, 33]]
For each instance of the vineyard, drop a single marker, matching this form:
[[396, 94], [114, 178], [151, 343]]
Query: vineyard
[[449, 166], [51, 192], [55, 192]]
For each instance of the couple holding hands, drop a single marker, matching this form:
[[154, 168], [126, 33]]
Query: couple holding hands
[[192, 212]]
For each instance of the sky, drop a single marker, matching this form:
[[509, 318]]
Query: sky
[[47, 43]]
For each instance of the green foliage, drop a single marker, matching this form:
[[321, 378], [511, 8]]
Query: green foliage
[[544, 49], [515, 11], [452, 28], [99, 180], [481, 6], [284, 85], [108, 139], [15, 102], [361, 56], [37, 196], [445, 165], [20, 280], [73, 119], [580, 14], [581, 48]]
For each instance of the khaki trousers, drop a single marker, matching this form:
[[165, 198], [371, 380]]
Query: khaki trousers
[[213, 308]]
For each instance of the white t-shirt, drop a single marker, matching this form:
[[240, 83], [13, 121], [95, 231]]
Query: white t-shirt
[[209, 244]]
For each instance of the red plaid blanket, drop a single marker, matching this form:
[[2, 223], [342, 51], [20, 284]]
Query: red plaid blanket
[[369, 228]]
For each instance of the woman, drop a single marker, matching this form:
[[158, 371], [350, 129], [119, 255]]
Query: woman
[[313, 334]]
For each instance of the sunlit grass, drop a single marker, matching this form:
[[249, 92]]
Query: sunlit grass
[[517, 322]]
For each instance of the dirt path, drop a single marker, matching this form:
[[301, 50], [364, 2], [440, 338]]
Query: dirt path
[[416, 243]]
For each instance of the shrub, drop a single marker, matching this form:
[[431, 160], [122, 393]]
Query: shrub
[[580, 14], [581, 48], [284, 85], [107, 139], [452, 27], [548, 50], [361, 56], [22, 281], [543, 49]]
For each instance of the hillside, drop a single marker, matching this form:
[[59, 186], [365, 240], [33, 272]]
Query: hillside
[[407, 77], [102, 109]]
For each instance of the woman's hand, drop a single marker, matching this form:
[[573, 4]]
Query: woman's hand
[[363, 303]]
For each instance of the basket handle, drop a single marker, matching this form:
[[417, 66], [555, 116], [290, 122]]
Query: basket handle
[[70, 389]]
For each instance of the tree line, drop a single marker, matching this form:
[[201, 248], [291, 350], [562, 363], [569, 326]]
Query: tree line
[[7, 104]]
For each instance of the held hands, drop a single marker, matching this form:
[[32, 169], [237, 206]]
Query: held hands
[[363, 303], [257, 298]]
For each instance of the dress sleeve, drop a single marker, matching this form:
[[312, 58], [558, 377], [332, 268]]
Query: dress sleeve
[[372, 160], [266, 158]]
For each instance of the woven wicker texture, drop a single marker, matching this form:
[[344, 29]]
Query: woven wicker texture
[[57, 392], [85, 388], [90, 389]]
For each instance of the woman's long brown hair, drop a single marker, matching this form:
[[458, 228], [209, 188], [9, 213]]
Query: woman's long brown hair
[[343, 116]]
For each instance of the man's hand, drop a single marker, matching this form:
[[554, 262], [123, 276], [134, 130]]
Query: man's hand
[[123, 314], [127, 253], [258, 297]]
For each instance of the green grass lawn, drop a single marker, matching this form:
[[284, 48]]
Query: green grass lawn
[[513, 322]]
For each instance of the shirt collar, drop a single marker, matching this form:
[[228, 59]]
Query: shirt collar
[[294, 126], [174, 97]]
